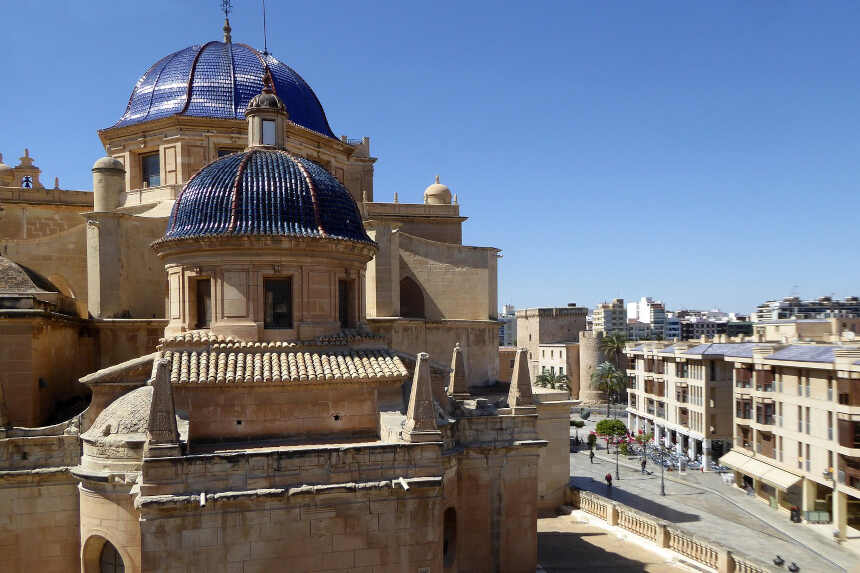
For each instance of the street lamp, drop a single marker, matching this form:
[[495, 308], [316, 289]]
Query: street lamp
[[617, 444], [662, 480]]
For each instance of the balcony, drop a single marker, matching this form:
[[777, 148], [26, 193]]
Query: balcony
[[764, 445], [659, 367], [649, 365], [661, 412], [764, 381], [655, 388], [849, 471], [684, 417], [849, 392], [743, 378], [682, 397], [849, 433], [764, 419]]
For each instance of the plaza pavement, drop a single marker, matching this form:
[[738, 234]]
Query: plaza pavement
[[702, 504], [567, 544]]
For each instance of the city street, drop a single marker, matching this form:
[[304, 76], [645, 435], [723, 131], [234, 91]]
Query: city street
[[728, 517]]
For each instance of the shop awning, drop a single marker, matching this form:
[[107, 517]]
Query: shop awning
[[758, 469]]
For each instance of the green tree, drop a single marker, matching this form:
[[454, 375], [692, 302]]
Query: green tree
[[612, 347], [548, 379], [608, 378], [611, 427]]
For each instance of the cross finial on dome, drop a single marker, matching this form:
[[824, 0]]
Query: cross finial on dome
[[226, 6]]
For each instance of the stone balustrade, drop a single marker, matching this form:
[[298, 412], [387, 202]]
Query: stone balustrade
[[702, 551]]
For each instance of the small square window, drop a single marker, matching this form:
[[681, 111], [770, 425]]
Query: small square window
[[278, 303]]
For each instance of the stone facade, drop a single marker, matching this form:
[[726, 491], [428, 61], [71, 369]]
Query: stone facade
[[536, 326]]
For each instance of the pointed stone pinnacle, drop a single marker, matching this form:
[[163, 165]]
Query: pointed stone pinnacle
[[457, 385], [520, 393], [421, 415], [161, 431]]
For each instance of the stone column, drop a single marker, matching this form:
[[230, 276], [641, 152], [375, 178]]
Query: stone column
[[840, 512], [706, 455], [382, 291], [104, 240], [630, 421], [809, 490], [691, 448], [658, 434]]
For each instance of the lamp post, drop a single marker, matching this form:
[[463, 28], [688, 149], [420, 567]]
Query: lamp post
[[617, 448], [662, 481]]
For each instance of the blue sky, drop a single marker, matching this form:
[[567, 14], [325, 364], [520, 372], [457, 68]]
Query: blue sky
[[703, 153]]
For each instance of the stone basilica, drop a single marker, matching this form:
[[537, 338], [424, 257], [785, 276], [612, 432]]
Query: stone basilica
[[230, 357]]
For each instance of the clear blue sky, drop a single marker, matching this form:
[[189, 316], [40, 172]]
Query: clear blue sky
[[705, 153]]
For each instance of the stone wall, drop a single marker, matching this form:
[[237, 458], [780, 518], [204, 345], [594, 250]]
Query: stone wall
[[50, 239], [478, 339], [458, 282], [553, 425], [39, 521], [331, 411], [536, 326], [38, 500]]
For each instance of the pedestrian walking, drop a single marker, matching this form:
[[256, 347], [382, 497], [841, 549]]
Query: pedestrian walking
[[608, 478], [591, 455], [643, 464]]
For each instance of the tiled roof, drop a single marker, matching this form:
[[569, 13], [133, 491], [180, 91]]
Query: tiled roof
[[194, 338], [739, 349], [248, 363], [218, 80], [265, 192], [804, 353]]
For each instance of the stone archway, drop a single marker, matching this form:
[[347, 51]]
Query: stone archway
[[101, 556], [411, 299]]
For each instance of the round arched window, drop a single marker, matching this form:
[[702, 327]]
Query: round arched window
[[110, 560]]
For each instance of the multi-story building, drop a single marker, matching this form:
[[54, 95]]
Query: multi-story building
[[536, 326], [695, 327], [508, 326], [672, 328], [640, 331], [682, 393], [797, 429], [610, 317], [808, 329], [559, 358], [793, 307]]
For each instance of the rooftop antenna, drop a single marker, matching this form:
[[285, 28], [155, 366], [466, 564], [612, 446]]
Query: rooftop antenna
[[265, 35], [226, 7]]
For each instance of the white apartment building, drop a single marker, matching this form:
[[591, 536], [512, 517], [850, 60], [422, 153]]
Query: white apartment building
[[682, 394], [610, 317], [560, 358]]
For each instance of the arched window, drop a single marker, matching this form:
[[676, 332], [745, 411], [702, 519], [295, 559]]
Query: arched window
[[411, 299], [110, 560], [449, 537]]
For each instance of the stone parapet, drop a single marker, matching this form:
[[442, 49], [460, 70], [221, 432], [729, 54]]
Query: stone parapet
[[701, 551]]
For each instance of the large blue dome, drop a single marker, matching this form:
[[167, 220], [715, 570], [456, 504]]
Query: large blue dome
[[218, 80], [265, 192]]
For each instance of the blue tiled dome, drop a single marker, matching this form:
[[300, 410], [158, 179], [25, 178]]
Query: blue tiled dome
[[218, 80], [265, 192]]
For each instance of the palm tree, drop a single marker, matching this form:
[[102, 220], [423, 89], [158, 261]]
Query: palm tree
[[612, 347], [549, 379], [608, 378]]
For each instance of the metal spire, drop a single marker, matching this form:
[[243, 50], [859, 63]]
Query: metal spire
[[265, 34], [227, 6]]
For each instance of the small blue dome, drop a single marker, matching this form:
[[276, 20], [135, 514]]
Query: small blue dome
[[265, 192], [218, 80]]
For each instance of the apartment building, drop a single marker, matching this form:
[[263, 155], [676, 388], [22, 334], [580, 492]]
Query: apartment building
[[560, 358], [508, 326], [797, 429], [794, 307], [610, 317], [682, 393]]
